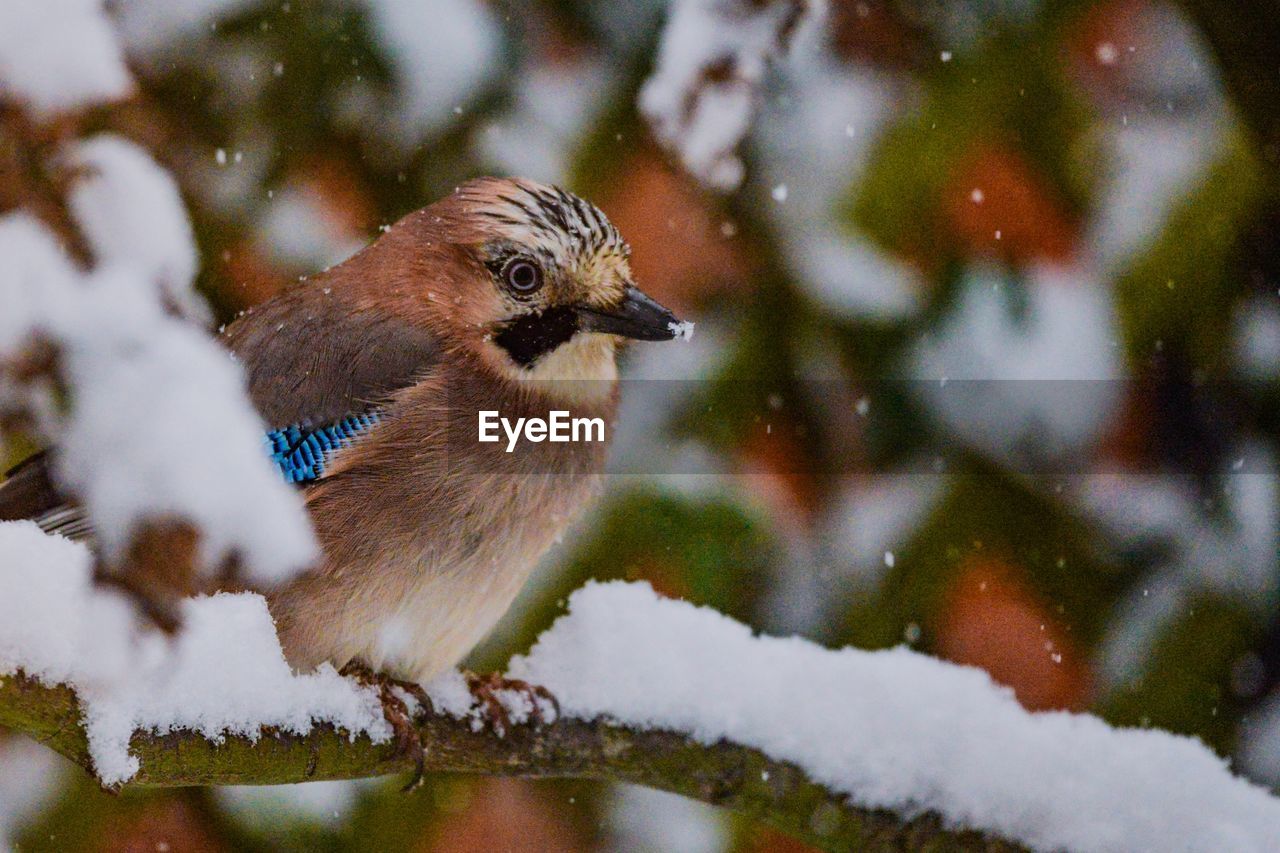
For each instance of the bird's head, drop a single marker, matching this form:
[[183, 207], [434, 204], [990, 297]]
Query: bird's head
[[548, 291]]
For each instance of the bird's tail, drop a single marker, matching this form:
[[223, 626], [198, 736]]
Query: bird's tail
[[28, 492]]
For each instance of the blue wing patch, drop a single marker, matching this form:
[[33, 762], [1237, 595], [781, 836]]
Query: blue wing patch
[[301, 452]]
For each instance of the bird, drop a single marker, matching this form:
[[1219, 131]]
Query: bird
[[508, 296]]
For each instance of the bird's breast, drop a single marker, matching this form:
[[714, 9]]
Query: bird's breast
[[429, 533]]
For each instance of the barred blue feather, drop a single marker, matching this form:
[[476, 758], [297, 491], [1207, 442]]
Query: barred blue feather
[[301, 452]]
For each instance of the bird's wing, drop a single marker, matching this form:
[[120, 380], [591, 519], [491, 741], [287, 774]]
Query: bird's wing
[[319, 370], [28, 489], [301, 453], [29, 492], [313, 358]]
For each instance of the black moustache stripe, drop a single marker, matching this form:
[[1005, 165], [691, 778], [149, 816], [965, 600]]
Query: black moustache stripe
[[532, 336]]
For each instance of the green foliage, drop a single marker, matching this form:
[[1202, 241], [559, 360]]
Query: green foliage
[[1178, 296], [1186, 685], [1010, 95], [987, 517], [709, 550]]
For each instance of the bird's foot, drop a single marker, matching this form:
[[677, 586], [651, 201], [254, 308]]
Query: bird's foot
[[395, 710], [503, 701]]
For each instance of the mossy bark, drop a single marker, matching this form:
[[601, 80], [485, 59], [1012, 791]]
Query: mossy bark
[[725, 774]]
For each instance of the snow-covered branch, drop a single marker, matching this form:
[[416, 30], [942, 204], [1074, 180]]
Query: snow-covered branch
[[725, 774], [841, 747], [711, 67], [104, 350]]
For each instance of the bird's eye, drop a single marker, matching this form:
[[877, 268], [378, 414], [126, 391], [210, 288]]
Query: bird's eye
[[522, 276]]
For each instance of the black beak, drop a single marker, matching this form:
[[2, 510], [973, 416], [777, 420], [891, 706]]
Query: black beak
[[637, 317]]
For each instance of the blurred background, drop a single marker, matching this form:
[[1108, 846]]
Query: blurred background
[[988, 304]]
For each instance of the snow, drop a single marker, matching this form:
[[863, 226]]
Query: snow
[[59, 55], [53, 625], [223, 673], [1228, 548], [297, 231], [895, 729], [704, 91], [441, 52], [891, 729], [450, 694], [551, 110], [154, 28], [987, 362], [682, 331], [1166, 59], [1143, 615], [1153, 162], [819, 135], [265, 808], [642, 819], [1259, 752], [129, 210], [158, 422], [873, 515], [159, 425], [36, 277], [214, 687], [32, 776], [233, 187], [185, 443], [1152, 155], [1256, 335]]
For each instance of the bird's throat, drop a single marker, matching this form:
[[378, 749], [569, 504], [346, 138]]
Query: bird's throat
[[533, 336], [548, 351]]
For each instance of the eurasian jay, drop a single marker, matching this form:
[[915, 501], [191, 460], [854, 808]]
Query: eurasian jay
[[507, 296]]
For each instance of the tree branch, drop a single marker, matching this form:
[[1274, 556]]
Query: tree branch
[[726, 774]]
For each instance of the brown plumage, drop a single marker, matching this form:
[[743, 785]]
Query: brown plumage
[[428, 534], [507, 295]]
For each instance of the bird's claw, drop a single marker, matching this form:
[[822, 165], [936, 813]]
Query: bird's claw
[[487, 691], [408, 739]]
